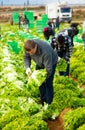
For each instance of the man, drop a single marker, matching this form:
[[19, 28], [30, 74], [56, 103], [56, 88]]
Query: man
[[63, 45], [48, 31], [26, 23], [51, 24], [45, 57], [71, 32], [57, 23], [20, 21]]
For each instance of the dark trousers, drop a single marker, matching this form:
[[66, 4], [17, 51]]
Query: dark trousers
[[66, 73], [67, 70], [62, 73], [46, 89]]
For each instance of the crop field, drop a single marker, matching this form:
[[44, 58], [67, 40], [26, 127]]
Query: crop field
[[20, 108], [78, 12]]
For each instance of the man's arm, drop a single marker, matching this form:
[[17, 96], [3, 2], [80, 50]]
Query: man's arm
[[48, 64], [69, 53], [53, 43], [27, 60]]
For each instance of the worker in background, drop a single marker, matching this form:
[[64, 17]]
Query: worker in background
[[26, 23], [44, 57], [20, 21], [49, 31], [71, 32], [51, 24], [63, 46], [57, 23]]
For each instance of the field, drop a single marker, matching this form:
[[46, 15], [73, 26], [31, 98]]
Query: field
[[20, 108], [78, 12]]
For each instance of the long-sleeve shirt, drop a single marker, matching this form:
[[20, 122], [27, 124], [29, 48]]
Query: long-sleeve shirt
[[66, 49], [68, 32], [45, 56]]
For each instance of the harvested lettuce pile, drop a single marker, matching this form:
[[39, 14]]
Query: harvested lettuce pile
[[37, 77]]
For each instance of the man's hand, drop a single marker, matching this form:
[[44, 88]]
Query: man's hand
[[28, 71], [59, 59]]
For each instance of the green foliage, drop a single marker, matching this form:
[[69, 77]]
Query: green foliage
[[51, 112], [65, 91], [37, 77], [19, 95], [8, 117], [74, 118], [61, 66], [37, 125], [81, 78], [62, 82], [82, 127], [17, 124], [78, 102], [63, 98], [78, 64]]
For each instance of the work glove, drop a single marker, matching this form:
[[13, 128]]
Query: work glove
[[28, 71], [59, 59], [45, 107]]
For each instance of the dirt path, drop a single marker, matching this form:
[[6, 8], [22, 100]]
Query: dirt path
[[58, 123]]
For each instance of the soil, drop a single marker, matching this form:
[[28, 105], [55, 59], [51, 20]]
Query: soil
[[58, 124]]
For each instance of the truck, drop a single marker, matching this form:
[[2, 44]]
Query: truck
[[54, 10]]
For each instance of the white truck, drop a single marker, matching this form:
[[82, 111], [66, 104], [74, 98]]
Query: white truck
[[62, 11]]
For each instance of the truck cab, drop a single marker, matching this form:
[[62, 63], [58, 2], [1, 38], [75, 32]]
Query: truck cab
[[59, 10], [65, 14]]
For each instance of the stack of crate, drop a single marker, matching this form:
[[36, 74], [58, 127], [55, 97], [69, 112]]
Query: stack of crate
[[30, 16], [15, 17]]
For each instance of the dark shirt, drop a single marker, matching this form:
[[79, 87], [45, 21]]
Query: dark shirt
[[45, 56], [26, 20], [64, 51]]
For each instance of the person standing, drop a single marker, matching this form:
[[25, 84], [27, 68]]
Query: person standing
[[26, 23], [20, 21], [57, 23], [83, 38], [45, 57]]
